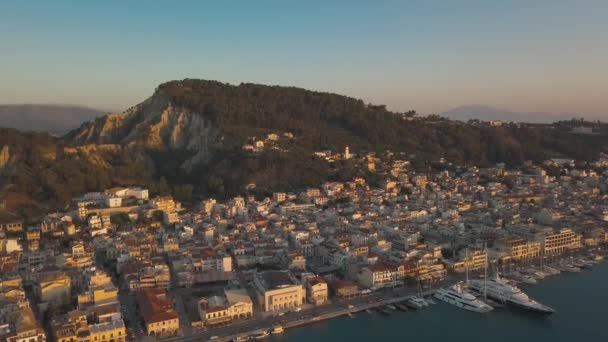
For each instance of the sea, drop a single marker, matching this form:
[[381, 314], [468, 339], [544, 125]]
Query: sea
[[581, 301]]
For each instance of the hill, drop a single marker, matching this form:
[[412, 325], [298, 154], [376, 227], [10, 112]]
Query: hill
[[193, 135], [55, 119]]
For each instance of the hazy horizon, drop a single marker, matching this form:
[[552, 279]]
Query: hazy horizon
[[431, 56]]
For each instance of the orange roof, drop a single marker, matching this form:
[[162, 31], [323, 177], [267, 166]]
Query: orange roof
[[155, 306]]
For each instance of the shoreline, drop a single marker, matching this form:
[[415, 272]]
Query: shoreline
[[384, 298]]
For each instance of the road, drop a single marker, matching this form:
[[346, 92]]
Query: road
[[292, 319]]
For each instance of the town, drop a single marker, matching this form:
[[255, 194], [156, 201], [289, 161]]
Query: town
[[121, 265]]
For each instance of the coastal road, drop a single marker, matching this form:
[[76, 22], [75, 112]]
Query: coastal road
[[292, 319]]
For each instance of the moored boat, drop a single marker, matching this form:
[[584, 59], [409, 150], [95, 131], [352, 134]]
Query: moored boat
[[459, 297], [261, 335], [503, 291], [401, 307], [416, 302], [566, 267], [524, 278]]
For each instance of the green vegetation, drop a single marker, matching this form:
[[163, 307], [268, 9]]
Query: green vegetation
[[50, 172]]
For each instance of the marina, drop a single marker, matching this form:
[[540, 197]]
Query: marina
[[493, 293], [568, 293]]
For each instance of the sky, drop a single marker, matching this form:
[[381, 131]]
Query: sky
[[428, 55]]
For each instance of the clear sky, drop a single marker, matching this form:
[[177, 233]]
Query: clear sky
[[427, 55]]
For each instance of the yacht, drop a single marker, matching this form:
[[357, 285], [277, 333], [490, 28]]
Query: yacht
[[578, 263], [458, 296], [534, 273], [598, 257], [401, 307], [501, 290], [261, 335], [566, 267], [524, 278], [277, 329], [416, 302], [241, 338], [551, 271]]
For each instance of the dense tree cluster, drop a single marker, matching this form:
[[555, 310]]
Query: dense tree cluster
[[327, 120], [41, 168]]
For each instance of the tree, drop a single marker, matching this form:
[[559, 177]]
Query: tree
[[183, 192]]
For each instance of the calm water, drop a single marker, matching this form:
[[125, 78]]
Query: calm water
[[581, 301]]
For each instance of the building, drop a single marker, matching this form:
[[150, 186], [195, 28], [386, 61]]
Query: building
[[317, 291], [381, 275], [137, 193], [33, 234], [70, 327], [470, 261], [345, 289], [102, 292], [54, 287], [164, 203], [233, 305], [557, 243], [159, 317], [113, 201], [520, 249], [279, 290], [113, 331], [212, 261], [12, 227], [279, 197], [27, 328]]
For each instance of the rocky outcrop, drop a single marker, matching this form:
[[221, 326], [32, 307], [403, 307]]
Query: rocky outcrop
[[155, 125]]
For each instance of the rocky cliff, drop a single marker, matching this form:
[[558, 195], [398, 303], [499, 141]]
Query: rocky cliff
[[155, 125]]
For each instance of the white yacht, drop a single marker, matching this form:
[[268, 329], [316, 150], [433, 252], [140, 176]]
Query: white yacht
[[524, 278], [502, 291], [416, 302], [458, 296], [567, 267], [551, 271]]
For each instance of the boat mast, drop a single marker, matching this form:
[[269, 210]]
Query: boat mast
[[485, 273], [466, 266]]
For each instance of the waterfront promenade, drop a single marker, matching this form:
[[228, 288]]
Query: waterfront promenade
[[316, 314], [304, 317]]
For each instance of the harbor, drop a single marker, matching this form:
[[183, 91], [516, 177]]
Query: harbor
[[411, 302], [578, 298]]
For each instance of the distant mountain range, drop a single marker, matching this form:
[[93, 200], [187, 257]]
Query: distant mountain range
[[487, 113], [55, 119]]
